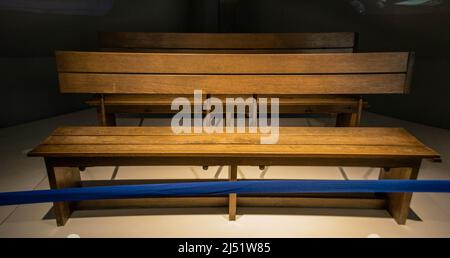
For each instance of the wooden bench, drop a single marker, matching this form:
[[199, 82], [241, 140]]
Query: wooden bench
[[347, 108], [161, 76], [394, 150]]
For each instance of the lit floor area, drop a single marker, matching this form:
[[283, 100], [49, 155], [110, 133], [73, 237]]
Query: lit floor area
[[429, 217]]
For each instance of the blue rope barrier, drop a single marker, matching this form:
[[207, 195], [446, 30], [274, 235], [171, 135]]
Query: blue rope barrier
[[224, 187]]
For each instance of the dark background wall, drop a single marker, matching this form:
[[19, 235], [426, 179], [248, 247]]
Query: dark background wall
[[28, 40]]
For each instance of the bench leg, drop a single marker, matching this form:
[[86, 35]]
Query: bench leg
[[232, 198], [398, 203], [347, 120], [59, 178], [109, 119], [350, 119]]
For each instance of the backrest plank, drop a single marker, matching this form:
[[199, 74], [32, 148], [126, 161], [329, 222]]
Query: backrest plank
[[215, 42], [225, 84], [171, 63], [151, 73]]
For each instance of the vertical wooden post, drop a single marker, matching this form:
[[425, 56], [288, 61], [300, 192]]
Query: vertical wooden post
[[102, 110], [346, 119], [62, 177], [109, 118], [398, 203], [104, 118], [359, 114], [350, 119], [232, 198]]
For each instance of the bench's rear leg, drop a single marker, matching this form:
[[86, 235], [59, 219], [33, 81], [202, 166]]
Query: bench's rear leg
[[62, 177], [232, 198], [347, 120], [350, 119], [398, 203]]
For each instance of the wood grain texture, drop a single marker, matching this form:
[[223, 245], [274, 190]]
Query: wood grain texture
[[165, 130], [236, 84], [232, 139], [166, 100], [183, 63], [151, 40], [301, 142]]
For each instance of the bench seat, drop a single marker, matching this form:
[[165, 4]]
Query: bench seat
[[397, 152], [293, 142]]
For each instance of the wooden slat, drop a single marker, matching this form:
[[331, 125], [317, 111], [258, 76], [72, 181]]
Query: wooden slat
[[230, 51], [170, 63], [236, 84], [312, 99], [231, 139], [226, 150], [141, 99], [151, 40], [312, 202], [293, 142], [261, 201], [164, 130]]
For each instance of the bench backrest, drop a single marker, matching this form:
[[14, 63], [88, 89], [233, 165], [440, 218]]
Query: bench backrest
[[176, 73], [228, 42]]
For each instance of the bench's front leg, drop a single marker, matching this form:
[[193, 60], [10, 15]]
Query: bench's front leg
[[398, 203], [62, 177], [232, 198]]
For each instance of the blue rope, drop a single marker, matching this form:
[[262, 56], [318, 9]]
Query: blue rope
[[224, 187]]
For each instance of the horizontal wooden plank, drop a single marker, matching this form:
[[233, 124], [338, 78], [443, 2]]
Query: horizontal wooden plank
[[232, 150], [260, 201], [183, 63], [230, 51], [236, 84], [164, 130], [149, 40], [312, 202], [152, 100], [293, 142], [234, 139]]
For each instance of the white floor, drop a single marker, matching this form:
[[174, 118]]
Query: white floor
[[430, 216]]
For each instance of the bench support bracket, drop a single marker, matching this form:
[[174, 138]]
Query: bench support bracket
[[103, 117], [63, 177]]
